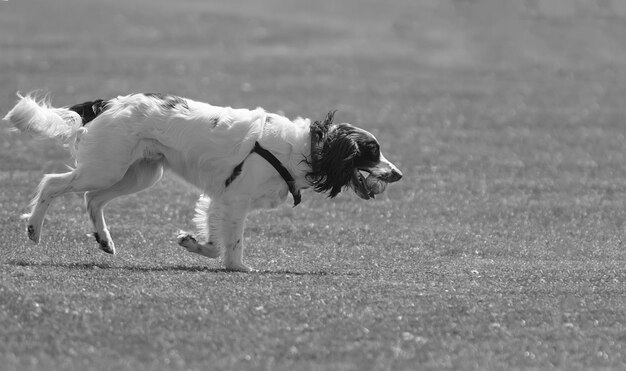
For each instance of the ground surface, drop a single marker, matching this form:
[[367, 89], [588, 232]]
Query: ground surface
[[502, 247]]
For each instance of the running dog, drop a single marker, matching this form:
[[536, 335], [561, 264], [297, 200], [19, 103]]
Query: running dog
[[240, 159]]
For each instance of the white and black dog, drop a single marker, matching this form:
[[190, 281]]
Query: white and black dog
[[240, 159]]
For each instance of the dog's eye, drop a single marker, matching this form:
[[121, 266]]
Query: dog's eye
[[374, 150], [370, 151], [377, 151]]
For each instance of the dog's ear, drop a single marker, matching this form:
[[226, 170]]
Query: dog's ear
[[334, 161], [342, 149], [319, 129], [329, 118]]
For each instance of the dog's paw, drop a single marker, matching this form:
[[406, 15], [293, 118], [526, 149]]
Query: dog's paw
[[210, 250], [33, 233], [186, 240], [107, 246]]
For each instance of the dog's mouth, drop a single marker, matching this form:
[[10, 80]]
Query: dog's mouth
[[358, 184]]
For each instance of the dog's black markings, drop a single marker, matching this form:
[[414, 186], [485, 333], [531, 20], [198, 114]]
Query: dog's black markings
[[90, 110], [168, 101], [234, 175]]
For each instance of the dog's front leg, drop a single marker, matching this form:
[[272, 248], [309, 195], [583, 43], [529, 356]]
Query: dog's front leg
[[233, 237], [209, 219]]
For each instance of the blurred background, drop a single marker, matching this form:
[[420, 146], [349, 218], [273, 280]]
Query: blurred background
[[298, 55]]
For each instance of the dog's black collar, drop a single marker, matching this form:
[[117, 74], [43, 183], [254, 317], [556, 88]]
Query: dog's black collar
[[282, 170]]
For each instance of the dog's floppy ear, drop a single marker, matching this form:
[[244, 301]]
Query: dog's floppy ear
[[333, 150], [319, 129], [338, 158]]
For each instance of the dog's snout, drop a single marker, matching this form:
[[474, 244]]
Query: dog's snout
[[387, 172], [395, 175], [390, 176]]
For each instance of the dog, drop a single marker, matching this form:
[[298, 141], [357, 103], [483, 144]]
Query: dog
[[240, 159]]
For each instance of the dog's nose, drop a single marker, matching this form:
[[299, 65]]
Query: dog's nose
[[395, 175]]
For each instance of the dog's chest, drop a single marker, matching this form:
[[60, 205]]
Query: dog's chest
[[271, 195]]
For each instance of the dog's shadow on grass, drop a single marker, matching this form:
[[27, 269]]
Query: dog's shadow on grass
[[170, 268]]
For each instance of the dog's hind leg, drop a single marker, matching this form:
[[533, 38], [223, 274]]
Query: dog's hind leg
[[50, 187], [55, 185], [140, 175], [209, 217]]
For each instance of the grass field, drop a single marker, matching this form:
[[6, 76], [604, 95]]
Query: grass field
[[501, 248]]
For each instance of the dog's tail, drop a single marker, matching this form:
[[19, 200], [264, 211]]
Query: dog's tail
[[38, 118]]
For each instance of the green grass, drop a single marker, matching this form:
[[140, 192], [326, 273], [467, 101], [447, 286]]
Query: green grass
[[501, 248]]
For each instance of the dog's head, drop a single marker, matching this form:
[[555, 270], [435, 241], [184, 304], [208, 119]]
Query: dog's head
[[340, 153]]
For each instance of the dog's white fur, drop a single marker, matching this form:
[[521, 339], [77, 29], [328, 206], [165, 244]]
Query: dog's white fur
[[126, 147]]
